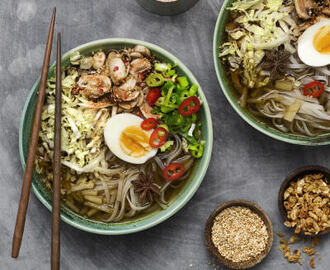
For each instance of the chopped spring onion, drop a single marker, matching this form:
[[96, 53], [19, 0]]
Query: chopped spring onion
[[191, 130], [183, 82], [166, 146], [155, 80], [162, 67]]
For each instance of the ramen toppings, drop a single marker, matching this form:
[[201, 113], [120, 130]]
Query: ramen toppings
[[279, 63], [121, 132], [307, 204]]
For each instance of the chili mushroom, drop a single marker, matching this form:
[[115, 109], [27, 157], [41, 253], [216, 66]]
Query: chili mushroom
[[303, 8], [116, 68], [140, 65], [146, 110], [94, 86], [99, 59], [142, 50]]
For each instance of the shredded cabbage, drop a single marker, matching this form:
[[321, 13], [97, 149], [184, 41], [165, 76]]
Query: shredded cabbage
[[274, 4], [260, 25], [243, 5], [80, 128], [75, 57]]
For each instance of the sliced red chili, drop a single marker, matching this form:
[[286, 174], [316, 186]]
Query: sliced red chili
[[173, 171], [158, 137], [153, 96], [313, 89], [149, 123], [142, 76], [101, 90], [115, 68], [189, 106]]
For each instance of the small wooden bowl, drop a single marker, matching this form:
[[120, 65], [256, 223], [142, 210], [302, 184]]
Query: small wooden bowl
[[245, 264], [294, 176]]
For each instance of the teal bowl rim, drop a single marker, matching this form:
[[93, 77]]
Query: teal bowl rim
[[262, 127], [181, 200]]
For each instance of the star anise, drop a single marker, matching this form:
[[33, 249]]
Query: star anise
[[145, 187], [275, 62]]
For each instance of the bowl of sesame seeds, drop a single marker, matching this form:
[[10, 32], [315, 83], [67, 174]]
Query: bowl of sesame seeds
[[239, 234]]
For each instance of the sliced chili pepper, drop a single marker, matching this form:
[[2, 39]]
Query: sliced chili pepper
[[142, 76], [313, 89], [149, 123], [155, 80], [158, 137], [189, 106], [173, 171], [153, 96]]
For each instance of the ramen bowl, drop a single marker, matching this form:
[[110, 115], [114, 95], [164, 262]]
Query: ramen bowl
[[167, 7], [139, 223], [232, 97]]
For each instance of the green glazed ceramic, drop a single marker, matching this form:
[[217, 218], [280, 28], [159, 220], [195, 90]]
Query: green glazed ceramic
[[231, 96], [169, 8], [138, 224]]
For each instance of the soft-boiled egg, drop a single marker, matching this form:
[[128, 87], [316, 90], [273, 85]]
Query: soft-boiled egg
[[127, 140], [314, 44]]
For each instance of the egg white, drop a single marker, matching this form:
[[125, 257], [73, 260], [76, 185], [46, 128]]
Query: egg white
[[306, 51], [113, 130]]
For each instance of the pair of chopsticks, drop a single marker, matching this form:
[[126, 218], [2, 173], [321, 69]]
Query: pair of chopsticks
[[25, 193]]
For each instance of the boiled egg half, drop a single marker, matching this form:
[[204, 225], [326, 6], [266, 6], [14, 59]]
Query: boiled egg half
[[314, 45], [127, 140]]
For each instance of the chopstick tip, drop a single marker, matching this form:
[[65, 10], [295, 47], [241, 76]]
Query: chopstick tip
[[16, 247]]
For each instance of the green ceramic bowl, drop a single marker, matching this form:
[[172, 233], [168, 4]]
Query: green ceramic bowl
[[139, 224], [173, 7], [232, 97]]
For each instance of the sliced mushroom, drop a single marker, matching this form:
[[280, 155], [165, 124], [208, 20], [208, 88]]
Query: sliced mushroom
[[309, 23], [86, 62], [326, 11], [94, 86], [128, 105], [140, 65], [146, 90], [303, 7], [142, 50], [127, 91], [135, 55], [320, 18], [129, 85], [140, 99], [146, 110], [125, 95], [116, 68], [99, 59]]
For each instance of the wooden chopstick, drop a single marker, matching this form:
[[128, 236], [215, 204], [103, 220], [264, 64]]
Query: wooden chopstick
[[25, 193], [55, 256]]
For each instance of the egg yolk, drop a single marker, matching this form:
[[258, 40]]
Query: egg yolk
[[321, 41], [134, 142]]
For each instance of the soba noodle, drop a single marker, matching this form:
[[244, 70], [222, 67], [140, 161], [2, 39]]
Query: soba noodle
[[95, 182], [260, 52]]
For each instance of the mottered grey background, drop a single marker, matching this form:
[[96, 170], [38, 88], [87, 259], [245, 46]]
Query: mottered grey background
[[245, 163]]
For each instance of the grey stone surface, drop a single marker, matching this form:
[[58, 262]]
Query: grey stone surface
[[245, 163]]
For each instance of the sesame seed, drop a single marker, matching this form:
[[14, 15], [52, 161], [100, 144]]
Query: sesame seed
[[239, 234]]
